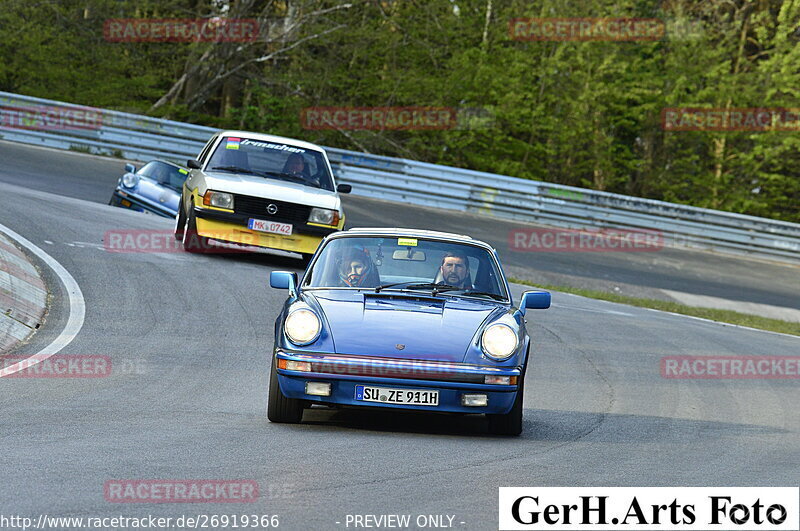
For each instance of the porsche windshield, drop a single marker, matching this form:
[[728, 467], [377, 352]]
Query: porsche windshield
[[271, 160], [399, 263]]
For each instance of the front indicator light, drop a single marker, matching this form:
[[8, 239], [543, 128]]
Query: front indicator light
[[474, 400], [302, 326], [292, 365], [500, 380], [318, 389]]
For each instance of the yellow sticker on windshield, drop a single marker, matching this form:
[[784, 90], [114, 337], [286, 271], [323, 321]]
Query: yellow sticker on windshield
[[181, 170], [407, 241]]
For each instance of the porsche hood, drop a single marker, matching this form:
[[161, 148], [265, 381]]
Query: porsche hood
[[402, 325]]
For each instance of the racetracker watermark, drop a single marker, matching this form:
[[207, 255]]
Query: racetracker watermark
[[57, 366], [586, 29], [50, 118], [731, 367], [585, 241], [180, 490], [422, 370], [163, 241], [742, 119], [378, 118], [217, 29], [396, 118]]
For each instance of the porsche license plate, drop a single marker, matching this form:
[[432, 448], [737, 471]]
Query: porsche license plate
[[270, 226], [412, 397]]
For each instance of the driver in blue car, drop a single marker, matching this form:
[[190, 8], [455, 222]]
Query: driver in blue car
[[455, 270]]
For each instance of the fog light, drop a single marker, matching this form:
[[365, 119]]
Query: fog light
[[500, 380], [291, 365], [318, 389], [474, 400]]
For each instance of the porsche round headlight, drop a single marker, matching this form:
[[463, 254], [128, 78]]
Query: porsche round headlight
[[302, 326], [130, 180], [499, 341]]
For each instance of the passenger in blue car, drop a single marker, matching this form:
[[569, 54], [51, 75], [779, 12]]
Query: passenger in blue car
[[357, 270], [454, 270]]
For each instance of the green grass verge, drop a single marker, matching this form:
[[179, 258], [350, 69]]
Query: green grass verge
[[723, 316]]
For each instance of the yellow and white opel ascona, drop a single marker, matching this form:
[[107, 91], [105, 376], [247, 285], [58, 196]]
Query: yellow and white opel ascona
[[259, 190]]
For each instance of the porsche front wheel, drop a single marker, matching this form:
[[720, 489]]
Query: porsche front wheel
[[280, 408], [511, 422]]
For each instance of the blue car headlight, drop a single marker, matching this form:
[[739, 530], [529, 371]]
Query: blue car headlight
[[302, 326], [130, 180], [499, 341]]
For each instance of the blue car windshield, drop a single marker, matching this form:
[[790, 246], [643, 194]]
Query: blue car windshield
[[165, 174], [272, 161], [400, 263]]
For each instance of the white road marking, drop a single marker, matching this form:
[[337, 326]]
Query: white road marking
[[722, 323], [752, 308], [89, 244], [77, 307], [592, 310]]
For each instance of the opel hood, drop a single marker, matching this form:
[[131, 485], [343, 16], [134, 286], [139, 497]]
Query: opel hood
[[267, 188]]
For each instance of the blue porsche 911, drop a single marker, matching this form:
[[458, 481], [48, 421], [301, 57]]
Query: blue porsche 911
[[398, 318], [154, 189]]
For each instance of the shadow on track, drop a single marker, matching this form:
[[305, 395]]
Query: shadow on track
[[540, 425]]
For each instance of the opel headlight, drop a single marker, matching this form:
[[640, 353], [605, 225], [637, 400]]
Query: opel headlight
[[302, 326], [218, 199], [323, 216], [130, 180], [499, 341]]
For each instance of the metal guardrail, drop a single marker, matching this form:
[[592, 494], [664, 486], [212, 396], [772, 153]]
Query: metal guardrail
[[130, 136]]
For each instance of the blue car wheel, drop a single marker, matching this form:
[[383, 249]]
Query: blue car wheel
[[280, 408], [511, 422]]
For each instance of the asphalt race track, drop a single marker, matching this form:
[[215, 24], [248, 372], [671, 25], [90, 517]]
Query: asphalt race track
[[640, 274], [189, 338]]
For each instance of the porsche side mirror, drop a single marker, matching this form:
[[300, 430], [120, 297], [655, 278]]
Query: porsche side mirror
[[284, 280], [344, 188], [535, 300], [193, 164], [130, 168]]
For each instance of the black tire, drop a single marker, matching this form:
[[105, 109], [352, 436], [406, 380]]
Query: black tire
[[511, 422], [180, 221], [280, 408], [193, 242]]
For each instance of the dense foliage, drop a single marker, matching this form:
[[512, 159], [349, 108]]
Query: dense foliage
[[581, 113]]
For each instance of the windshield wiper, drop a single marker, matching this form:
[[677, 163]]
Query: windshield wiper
[[282, 175], [494, 296], [235, 169], [436, 288]]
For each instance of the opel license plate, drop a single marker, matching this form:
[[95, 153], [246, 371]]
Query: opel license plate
[[270, 226]]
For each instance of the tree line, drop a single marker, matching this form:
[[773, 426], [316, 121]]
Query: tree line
[[532, 101]]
